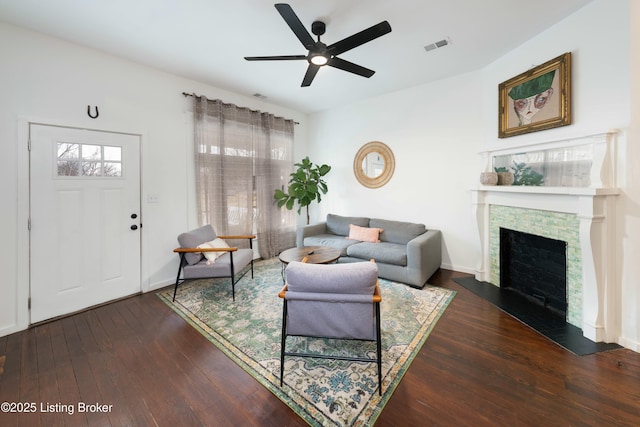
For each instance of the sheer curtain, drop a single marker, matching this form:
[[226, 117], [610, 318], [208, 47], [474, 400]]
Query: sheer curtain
[[241, 157]]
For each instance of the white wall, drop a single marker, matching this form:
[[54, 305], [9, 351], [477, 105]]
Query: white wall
[[436, 132], [629, 206], [49, 80], [598, 38]]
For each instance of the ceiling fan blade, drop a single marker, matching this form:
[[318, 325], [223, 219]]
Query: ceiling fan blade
[[275, 58], [360, 38], [350, 67], [295, 24], [312, 70]]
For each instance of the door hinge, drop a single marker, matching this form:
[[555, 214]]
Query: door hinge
[[29, 303], [29, 224], [29, 144]]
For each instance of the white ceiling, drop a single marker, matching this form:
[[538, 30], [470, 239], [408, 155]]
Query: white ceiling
[[206, 40]]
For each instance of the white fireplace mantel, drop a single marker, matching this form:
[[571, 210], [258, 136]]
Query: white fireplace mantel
[[595, 209]]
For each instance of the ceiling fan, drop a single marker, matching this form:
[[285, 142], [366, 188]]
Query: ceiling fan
[[319, 53]]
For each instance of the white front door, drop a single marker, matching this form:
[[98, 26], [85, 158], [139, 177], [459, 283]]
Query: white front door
[[85, 219]]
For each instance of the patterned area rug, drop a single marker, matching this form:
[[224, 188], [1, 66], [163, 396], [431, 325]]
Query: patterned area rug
[[322, 392]]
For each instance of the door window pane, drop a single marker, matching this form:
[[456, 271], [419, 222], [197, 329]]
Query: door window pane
[[91, 152], [91, 169], [68, 151], [112, 153], [112, 169]]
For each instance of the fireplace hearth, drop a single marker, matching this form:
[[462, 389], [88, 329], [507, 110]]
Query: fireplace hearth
[[536, 268], [536, 317]]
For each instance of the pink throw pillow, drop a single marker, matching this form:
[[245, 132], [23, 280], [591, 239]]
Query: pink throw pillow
[[364, 234]]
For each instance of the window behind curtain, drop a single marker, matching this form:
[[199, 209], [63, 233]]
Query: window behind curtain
[[241, 157]]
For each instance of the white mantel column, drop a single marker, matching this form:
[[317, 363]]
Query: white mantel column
[[599, 284], [481, 213]]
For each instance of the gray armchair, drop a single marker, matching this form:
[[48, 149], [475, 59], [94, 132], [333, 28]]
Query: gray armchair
[[194, 265], [340, 301]]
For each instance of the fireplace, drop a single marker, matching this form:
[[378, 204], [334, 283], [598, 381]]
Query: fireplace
[[584, 217], [535, 267]]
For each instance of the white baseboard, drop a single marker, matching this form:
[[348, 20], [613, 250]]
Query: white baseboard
[[629, 343], [159, 285], [459, 268], [11, 329]]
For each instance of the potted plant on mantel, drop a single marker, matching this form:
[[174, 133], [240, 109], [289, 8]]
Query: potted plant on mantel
[[522, 175], [305, 186]]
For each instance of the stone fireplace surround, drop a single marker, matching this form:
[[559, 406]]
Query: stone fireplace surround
[[582, 216], [552, 225]]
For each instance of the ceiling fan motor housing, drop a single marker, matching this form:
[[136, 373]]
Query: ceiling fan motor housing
[[318, 28]]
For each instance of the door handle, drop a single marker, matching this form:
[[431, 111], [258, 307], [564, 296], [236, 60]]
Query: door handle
[[134, 227]]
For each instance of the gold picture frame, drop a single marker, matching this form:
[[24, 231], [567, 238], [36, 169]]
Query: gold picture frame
[[537, 99]]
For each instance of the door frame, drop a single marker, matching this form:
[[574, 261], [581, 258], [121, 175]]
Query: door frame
[[23, 255]]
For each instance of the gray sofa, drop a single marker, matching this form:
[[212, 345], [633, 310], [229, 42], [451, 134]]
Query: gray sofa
[[407, 252]]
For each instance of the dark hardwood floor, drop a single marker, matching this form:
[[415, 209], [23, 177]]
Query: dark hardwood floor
[[479, 367]]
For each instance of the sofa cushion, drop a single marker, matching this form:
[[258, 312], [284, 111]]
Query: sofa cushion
[[193, 238], [331, 240], [364, 234], [221, 268], [397, 231], [384, 252], [339, 225]]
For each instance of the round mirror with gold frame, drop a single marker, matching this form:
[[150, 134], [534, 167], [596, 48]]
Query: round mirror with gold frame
[[374, 164]]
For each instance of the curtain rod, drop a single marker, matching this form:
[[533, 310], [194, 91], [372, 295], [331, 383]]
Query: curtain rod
[[198, 96]]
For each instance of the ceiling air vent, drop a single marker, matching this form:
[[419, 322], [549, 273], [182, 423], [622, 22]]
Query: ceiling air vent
[[437, 45]]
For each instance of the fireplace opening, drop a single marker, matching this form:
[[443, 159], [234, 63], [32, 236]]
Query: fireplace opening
[[536, 268]]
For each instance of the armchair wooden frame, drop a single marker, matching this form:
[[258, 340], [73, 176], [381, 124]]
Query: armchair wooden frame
[[183, 251], [376, 300]]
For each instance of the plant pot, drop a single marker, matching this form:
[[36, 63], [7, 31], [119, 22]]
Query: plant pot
[[488, 178], [505, 178]]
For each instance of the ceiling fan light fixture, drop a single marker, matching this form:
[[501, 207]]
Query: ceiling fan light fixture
[[318, 59]]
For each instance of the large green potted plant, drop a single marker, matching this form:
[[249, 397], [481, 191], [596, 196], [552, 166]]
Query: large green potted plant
[[305, 186]]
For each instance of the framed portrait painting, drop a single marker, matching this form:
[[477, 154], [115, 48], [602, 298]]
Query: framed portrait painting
[[537, 99]]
